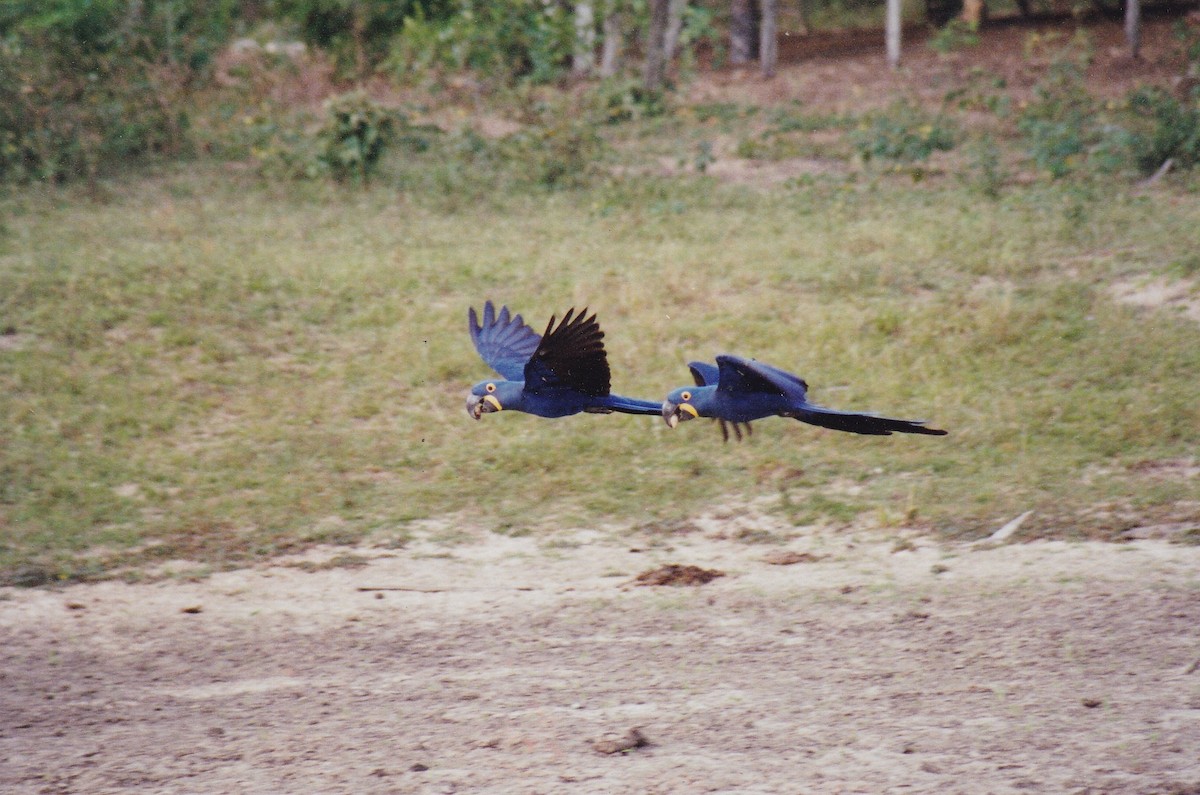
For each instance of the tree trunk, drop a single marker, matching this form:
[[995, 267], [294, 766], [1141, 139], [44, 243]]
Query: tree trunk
[[610, 51], [973, 13], [674, 27], [583, 61], [768, 42], [1133, 27], [892, 33], [655, 73], [743, 32]]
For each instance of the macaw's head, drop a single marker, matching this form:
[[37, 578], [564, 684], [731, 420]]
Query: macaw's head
[[489, 396], [679, 406]]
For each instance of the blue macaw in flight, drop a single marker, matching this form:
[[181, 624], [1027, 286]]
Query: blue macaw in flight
[[738, 391], [564, 371]]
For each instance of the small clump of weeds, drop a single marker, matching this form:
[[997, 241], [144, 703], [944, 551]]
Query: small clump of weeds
[[905, 133], [794, 119], [983, 92], [619, 100], [957, 34], [985, 173], [564, 152]]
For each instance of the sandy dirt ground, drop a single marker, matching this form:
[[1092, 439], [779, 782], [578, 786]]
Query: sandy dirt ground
[[872, 664]]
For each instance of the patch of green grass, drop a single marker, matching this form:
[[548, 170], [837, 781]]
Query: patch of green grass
[[210, 367]]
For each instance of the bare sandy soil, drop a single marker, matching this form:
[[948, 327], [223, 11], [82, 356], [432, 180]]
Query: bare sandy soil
[[870, 665]]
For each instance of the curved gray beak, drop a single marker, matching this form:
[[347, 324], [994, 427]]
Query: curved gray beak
[[477, 406], [675, 413], [670, 412]]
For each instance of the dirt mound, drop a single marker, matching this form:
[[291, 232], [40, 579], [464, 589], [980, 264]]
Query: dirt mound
[[677, 574]]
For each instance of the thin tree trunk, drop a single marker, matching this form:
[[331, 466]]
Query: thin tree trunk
[[674, 27], [742, 32], [973, 12], [655, 73], [1133, 27], [583, 61], [768, 42], [892, 33], [610, 51], [133, 16]]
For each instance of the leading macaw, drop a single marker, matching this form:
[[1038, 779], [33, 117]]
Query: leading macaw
[[564, 371], [739, 391]]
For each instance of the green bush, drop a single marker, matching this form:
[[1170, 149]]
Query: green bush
[[356, 132], [1172, 129]]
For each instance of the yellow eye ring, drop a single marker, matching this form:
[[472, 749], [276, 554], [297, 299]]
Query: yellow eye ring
[[490, 387], [686, 395]]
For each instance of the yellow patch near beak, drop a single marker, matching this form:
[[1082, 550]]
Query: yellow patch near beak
[[689, 409], [495, 403]]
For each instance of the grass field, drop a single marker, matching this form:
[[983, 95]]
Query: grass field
[[207, 366]]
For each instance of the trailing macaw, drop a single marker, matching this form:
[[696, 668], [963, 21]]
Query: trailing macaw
[[563, 372], [738, 391]]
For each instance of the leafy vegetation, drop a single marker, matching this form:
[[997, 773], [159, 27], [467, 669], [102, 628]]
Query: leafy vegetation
[[85, 86]]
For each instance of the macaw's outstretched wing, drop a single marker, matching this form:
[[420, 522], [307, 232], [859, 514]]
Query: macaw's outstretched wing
[[571, 356], [505, 343], [704, 374], [739, 376]]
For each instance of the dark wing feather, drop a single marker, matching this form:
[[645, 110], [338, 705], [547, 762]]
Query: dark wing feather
[[778, 376], [571, 355], [505, 343], [747, 377], [704, 374]]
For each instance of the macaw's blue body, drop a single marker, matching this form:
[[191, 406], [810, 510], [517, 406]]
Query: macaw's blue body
[[563, 372], [738, 391]]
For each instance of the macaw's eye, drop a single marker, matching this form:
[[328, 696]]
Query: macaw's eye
[[490, 387], [686, 395]]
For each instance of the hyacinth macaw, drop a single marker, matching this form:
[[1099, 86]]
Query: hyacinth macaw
[[564, 371], [738, 391]]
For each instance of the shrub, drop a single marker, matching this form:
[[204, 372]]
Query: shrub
[[1172, 129], [356, 132], [1058, 123]]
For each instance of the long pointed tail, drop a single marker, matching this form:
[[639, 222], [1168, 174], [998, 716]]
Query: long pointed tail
[[853, 422], [627, 405]]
